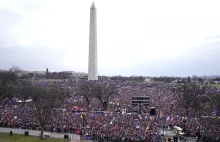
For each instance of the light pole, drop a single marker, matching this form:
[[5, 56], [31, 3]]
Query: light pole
[[163, 128], [184, 124]]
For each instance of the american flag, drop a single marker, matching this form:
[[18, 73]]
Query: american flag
[[214, 112]]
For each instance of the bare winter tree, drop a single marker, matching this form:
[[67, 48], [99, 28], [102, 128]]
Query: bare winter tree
[[8, 82], [190, 95], [214, 100], [24, 90], [87, 90], [45, 100], [104, 92]]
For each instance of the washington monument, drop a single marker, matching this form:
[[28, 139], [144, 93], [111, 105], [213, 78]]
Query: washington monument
[[93, 66]]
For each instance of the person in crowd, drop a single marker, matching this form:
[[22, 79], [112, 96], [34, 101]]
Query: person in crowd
[[121, 121]]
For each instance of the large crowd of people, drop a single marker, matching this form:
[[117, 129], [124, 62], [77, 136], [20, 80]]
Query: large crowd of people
[[121, 121]]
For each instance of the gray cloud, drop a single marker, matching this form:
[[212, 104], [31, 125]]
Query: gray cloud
[[202, 60], [199, 61], [213, 37], [30, 58], [29, 5], [8, 21]]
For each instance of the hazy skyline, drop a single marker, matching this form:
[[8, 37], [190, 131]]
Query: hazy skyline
[[149, 38]]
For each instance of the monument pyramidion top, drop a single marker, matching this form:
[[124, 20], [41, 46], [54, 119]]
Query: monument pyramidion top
[[93, 6]]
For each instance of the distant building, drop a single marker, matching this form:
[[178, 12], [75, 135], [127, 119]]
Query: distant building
[[175, 81], [84, 77], [147, 79], [46, 71], [217, 82], [103, 78]]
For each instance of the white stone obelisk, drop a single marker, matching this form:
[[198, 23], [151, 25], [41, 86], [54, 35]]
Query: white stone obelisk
[[93, 65]]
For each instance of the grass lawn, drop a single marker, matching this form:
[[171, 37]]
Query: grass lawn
[[215, 85], [5, 137]]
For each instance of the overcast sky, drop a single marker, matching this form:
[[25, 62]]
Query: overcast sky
[[135, 37]]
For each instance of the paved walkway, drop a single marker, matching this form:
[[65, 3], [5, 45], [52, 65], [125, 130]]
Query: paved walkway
[[170, 134]]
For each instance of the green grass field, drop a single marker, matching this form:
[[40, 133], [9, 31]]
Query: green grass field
[[215, 85], [5, 137]]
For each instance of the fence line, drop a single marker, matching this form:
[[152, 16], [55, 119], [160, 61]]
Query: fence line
[[37, 133]]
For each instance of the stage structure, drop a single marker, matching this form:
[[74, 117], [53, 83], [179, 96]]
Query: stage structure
[[140, 101]]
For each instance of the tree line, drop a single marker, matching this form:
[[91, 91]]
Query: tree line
[[198, 98], [44, 98]]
